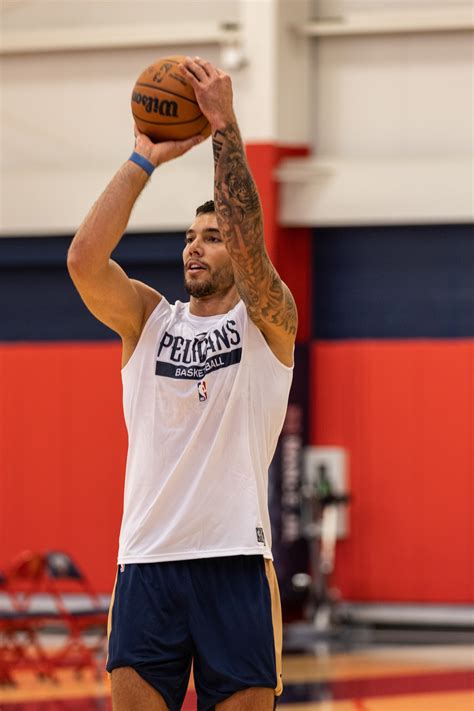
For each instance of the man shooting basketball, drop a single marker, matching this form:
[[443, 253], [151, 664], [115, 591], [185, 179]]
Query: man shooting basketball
[[206, 386]]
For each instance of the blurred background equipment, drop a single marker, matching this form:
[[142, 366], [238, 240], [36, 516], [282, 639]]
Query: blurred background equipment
[[50, 618], [323, 519]]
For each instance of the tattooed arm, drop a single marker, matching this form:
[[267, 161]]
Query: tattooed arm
[[269, 302]]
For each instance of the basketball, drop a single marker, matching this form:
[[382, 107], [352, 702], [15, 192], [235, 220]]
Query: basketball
[[164, 104]]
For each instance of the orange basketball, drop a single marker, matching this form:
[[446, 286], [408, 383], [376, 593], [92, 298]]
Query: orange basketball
[[164, 104]]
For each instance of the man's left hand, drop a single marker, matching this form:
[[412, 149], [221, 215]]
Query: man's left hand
[[213, 89]]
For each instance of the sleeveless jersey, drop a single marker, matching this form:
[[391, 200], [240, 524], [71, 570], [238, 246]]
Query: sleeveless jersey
[[204, 403]]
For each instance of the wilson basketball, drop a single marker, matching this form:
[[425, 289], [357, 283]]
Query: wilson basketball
[[164, 104]]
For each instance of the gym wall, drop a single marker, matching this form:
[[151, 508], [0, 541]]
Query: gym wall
[[386, 301], [392, 358]]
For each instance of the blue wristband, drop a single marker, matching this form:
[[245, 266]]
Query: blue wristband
[[142, 162]]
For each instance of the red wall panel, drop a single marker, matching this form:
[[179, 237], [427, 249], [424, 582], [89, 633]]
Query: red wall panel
[[63, 447], [404, 412]]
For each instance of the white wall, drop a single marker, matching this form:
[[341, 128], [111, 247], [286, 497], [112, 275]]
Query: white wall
[[385, 112], [333, 8], [392, 119], [66, 128], [392, 96], [66, 124], [48, 14]]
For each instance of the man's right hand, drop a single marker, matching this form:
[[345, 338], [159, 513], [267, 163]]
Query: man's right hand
[[158, 153]]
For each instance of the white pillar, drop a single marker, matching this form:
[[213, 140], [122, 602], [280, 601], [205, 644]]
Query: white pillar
[[274, 86]]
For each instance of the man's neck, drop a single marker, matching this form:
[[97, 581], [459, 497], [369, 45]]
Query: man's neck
[[215, 304]]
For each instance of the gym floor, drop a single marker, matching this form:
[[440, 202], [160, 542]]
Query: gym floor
[[415, 678]]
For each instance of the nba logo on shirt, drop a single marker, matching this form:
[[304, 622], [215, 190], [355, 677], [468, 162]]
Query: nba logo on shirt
[[202, 390]]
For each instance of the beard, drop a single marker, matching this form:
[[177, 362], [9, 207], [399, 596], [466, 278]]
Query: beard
[[198, 290], [214, 282]]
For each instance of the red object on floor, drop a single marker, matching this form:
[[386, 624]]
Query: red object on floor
[[26, 615]]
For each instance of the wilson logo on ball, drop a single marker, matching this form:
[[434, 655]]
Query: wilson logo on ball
[[151, 104]]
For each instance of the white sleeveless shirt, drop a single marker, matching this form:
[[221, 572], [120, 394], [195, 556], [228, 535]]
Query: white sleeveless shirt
[[204, 402]]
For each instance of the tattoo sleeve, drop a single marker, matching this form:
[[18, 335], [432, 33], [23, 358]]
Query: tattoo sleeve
[[268, 300]]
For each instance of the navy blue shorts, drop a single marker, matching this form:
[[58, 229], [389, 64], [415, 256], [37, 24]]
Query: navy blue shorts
[[220, 614]]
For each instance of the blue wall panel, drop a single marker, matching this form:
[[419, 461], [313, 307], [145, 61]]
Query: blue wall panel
[[393, 282], [39, 302]]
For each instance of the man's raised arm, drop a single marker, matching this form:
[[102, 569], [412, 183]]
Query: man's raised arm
[[121, 303], [269, 302]]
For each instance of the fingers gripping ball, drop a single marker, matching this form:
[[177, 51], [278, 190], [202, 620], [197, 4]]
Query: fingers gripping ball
[[164, 104]]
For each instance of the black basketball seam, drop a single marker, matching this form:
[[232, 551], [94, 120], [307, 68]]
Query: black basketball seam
[[171, 61], [173, 93], [169, 123]]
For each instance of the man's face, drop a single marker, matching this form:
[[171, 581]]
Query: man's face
[[207, 265]]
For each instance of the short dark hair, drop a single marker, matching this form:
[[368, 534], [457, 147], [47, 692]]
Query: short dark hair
[[205, 207]]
